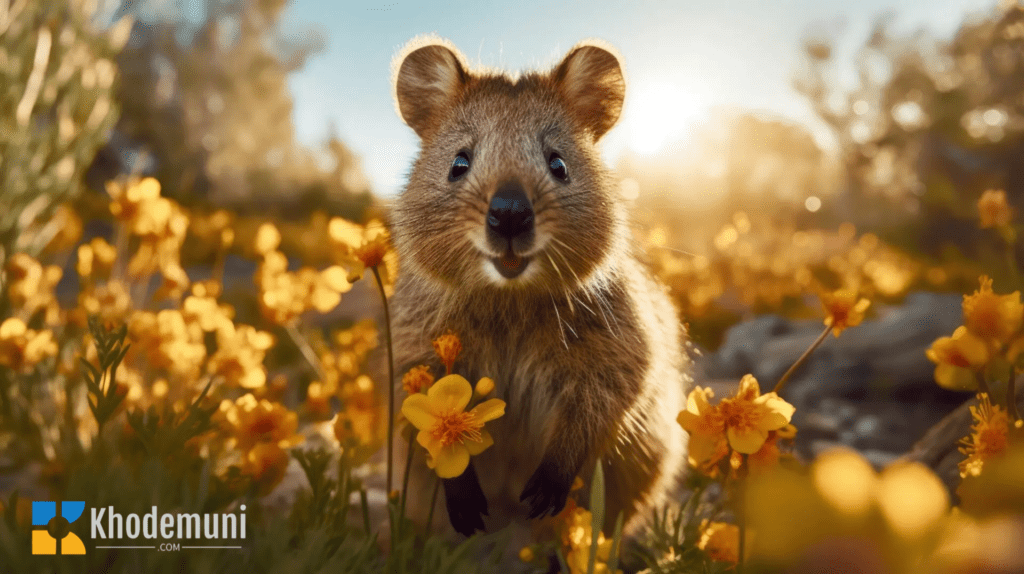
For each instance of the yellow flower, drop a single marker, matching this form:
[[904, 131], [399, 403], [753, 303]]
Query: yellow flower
[[358, 247], [283, 294], [351, 423], [127, 196], [266, 464], [912, 499], [998, 491], [257, 422], [32, 287], [956, 358], [448, 347], [993, 209], [175, 282], [706, 426], [988, 436], [787, 432], [767, 456], [22, 348], [371, 253], [358, 429], [96, 258], [205, 311], [749, 416], [525, 554], [577, 538], [720, 541], [449, 432], [484, 386], [417, 379], [111, 301], [993, 317], [240, 354], [843, 309], [268, 238], [318, 400]]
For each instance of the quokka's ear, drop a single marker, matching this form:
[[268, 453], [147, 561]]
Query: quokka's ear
[[593, 85], [429, 75]]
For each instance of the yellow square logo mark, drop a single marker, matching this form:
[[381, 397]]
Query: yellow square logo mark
[[51, 531]]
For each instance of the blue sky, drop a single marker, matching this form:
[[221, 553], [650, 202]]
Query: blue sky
[[681, 58]]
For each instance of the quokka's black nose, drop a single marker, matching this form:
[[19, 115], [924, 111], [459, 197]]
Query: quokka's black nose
[[510, 214]]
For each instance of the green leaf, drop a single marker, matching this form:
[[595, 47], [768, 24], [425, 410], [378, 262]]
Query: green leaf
[[596, 514], [613, 556]]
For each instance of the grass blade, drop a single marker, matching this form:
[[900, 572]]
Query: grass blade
[[596, 514]]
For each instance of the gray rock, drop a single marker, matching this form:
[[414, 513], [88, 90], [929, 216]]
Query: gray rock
[[879, 458], [742, 351], [868, 425], [822, 423]]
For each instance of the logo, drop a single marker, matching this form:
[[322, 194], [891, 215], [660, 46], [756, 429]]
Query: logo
[[165, 532], [50, 531]]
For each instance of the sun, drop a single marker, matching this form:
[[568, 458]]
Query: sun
[[658, 113]]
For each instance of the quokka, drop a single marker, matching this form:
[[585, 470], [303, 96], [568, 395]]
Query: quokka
[[513, 234]]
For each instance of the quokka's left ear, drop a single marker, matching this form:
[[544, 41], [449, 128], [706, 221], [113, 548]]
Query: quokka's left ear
[[429, 74], [591, 80]]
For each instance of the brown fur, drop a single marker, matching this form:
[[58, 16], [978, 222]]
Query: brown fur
[[584, 347]]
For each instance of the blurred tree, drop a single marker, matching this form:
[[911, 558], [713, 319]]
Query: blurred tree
[[206, 109], [929, 126], [56, 107], [742, 161]]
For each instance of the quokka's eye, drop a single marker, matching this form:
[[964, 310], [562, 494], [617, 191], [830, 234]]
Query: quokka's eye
[[558, 168], [460, 165]]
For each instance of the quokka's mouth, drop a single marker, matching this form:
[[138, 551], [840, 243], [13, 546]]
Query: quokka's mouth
[[510, 265]]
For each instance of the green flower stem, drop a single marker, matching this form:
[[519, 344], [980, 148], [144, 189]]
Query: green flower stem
[[433, 503], [307, 351], [405, 479], [740, 485], [1011, 396], [983, 385], [345, 473], [391, 375], [366, 511], [817, 342], [1011, 257]]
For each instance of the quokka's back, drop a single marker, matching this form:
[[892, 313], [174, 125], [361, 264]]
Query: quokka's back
[[512, 234]]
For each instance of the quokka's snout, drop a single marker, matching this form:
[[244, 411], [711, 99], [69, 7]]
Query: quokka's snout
[[510, 229]]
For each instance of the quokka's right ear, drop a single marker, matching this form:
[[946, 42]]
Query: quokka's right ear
[[429, 74], [592, 81]]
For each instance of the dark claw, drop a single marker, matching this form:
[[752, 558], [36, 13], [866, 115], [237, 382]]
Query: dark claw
[[546, 491], [466, 502]]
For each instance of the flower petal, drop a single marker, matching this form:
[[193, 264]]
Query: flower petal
[[697, 402], [955, 378], [778, 413], [687, 420], [703, 447], [418, 410], [450, 393], [747, 441], [429, 442], [475, 448], [452, 460], [489, 410], [749, 389]]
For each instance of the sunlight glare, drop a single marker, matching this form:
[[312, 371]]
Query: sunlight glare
[[659, 113]]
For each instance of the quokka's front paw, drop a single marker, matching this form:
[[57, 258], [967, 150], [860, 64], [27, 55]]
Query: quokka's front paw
[[547, 490], [466, 502]]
